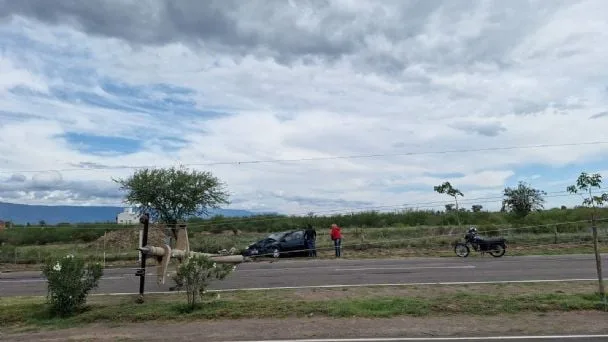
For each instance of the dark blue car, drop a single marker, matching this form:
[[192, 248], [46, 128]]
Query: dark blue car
[[281, 244]]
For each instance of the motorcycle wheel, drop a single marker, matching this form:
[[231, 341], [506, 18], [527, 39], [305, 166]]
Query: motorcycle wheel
[[461, 250], [498, 251]]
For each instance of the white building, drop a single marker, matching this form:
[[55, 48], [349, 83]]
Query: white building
[[127, 217]]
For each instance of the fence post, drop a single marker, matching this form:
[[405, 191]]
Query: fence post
[[141, 239], [104, 248], [555, 232]]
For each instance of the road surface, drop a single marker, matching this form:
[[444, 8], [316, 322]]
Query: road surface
[[577, 338], [313, 273]]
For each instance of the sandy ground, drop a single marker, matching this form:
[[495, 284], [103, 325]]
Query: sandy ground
[[312, 327]]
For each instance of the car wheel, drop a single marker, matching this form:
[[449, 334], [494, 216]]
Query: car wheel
[[276, 253]]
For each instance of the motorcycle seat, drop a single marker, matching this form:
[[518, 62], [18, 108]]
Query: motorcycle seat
[[492, 240]]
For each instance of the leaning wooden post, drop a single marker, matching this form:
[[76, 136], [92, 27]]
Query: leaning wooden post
[[145, 220]]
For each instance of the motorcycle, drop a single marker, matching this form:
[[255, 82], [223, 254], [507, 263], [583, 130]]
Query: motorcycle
[[497, 247]]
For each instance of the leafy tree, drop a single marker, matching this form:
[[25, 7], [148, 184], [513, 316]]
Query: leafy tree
[[476, 208], [448, 189], [523, 199], [585, 185], [174, 194]]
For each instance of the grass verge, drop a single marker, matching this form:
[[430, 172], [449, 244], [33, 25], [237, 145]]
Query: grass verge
[[372, 302]]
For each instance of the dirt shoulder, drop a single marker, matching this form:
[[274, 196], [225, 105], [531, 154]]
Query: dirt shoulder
[[581, 322]]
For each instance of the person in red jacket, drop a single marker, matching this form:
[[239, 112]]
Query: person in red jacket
[[336, 236]]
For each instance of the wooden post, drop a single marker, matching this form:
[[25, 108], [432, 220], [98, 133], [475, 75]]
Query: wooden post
[[105, 233], [598, 263], [555, 232], [140, 242], [145, 219]]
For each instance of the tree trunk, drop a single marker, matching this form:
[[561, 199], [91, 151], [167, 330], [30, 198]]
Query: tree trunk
[[457, 212], [598, 261]]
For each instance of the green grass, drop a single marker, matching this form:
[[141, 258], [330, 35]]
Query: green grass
[[33, 313], [38, 254]]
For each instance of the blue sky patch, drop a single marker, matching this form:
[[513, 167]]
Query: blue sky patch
[[6, 116], [98, 144], [127, 99], [172, 89], [121, 89], [549, 174], [170, 144]]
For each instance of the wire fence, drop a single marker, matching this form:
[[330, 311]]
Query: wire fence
[[357, 242]]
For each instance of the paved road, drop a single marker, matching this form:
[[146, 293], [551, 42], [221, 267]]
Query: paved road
[[297, 273], [577, 338]]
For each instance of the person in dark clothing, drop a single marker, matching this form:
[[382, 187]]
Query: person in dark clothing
[[310, 236]]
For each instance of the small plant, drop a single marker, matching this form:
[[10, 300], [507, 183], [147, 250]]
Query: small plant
[[69, 283], [589, 187], [447, 188], [195, 274]]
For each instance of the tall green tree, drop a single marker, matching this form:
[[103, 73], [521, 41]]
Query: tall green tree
[[174, 194], [448, 189], [589, 187], [523, 199], [476, 208]]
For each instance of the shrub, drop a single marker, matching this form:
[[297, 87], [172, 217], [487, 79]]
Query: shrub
[[7, 253], [69, 283], [195, 274]]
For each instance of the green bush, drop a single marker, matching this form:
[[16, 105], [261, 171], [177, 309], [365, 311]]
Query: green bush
[[7, 253], [35, 235], [69, 283], [195, 273]]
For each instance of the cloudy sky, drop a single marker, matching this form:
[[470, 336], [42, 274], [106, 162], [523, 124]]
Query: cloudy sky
[[91, 88]]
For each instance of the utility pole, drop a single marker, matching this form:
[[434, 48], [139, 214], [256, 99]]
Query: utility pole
[[145, 220]]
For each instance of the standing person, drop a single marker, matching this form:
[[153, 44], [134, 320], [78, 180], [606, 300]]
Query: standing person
[[310, 236], [336, 236]]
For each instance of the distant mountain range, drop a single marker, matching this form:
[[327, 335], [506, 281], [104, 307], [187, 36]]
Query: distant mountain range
[[23, 213]]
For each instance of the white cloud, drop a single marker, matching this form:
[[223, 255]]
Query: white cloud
[[13, 76], [353, 78]]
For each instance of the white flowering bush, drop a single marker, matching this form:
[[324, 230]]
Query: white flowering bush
[[69, 283], [195, 274]]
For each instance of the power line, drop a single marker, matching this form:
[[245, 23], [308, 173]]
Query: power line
[[361, 156]]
